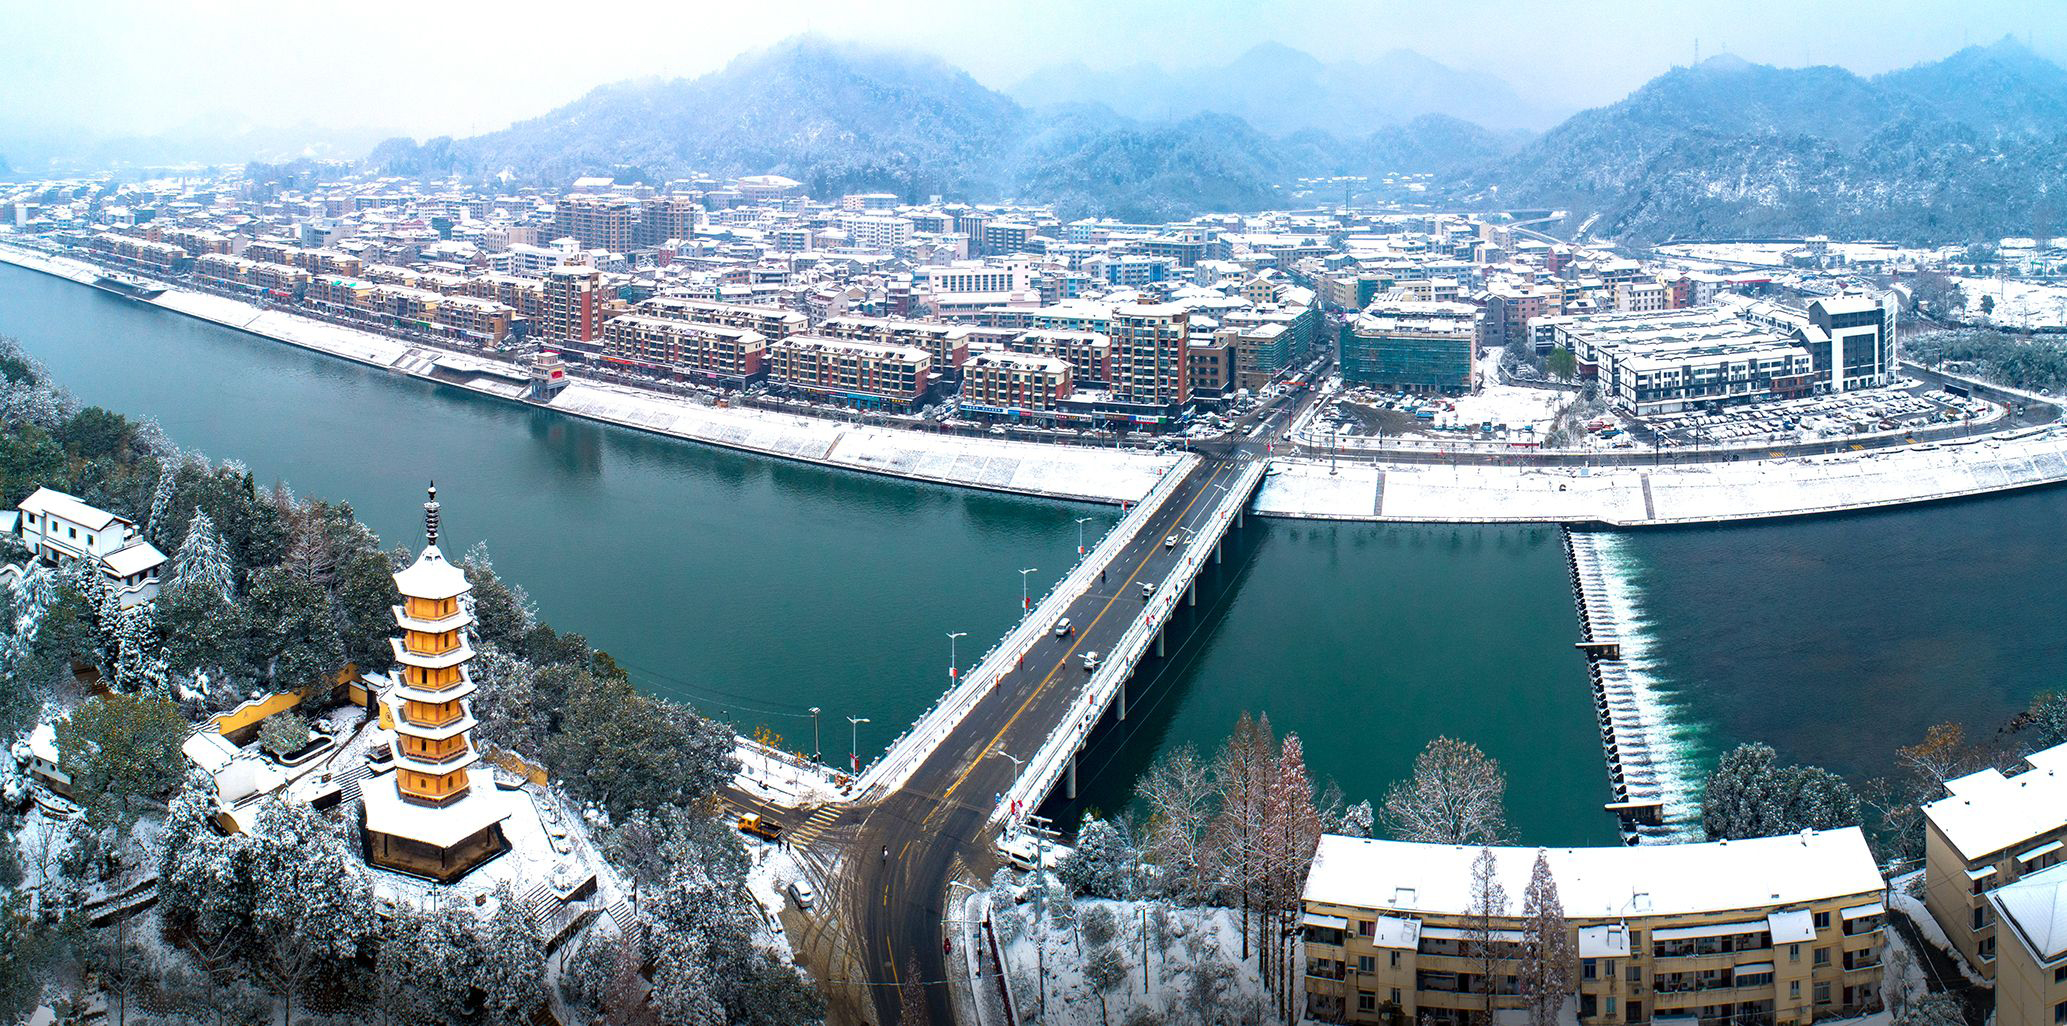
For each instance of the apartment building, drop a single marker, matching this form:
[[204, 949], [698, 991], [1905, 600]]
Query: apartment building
[[2031, 965], [482, 321], [1149, 343], [139, 253], [1261, 351], [1420, 345], [597, 222], [771, 322], [573, 304], [61, 529], [865, 373], [1011, 383], [1209, 365], [1989, 831], [1088, 353], [947, 344], [1777, 930], [709, 352]]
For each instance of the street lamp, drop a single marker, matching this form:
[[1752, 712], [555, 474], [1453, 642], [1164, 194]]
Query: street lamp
[[815, 753], [1025, 600], [854, 741], [951, 664], [1081, 521]]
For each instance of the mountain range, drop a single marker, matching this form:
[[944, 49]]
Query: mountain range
[[1281, 90], [1971, 146]]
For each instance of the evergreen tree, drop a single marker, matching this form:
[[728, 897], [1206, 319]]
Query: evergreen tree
[[119, 750], [1750, 794], [1105, 863], [203, 562]]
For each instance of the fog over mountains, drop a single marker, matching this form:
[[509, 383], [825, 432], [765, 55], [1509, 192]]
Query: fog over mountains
[[1971, 146]]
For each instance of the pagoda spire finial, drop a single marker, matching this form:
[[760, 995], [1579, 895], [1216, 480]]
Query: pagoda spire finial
[[430, 516]]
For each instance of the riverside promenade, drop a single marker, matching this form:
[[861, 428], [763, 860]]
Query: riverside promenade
[[1296, 487]]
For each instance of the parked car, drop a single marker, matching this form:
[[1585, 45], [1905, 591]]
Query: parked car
[[800, 891]]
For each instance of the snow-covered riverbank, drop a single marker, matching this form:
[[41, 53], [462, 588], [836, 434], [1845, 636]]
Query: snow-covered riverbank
[[1298, 488], [1027, 468], [1630, 496]]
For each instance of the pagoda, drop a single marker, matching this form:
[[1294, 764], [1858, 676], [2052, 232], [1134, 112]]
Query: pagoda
[[438, 813]]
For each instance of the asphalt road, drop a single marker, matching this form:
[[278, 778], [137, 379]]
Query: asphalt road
[[932, 828]]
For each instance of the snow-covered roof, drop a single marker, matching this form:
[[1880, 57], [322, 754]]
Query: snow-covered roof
[[246, 778], [388, 813], [1601, 883], [135, 558], [431, 577], [208, 750], [2036, 910], [68, 508], [43, 743], [1987, 812]]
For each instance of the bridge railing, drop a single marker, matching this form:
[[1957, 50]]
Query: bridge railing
[[911, 747], [1040, 773]]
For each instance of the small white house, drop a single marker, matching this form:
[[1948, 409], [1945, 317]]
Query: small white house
[[61, 530]]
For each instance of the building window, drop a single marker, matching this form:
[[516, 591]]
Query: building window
[[1981, 917], [1822, 956], [1586, 969], [1395, 960], [1822, 921], [1395, 995], [1366, 1001], [1366, 964], [1822, 993], [2060, 1012], [1794, 952], [1794, 989]]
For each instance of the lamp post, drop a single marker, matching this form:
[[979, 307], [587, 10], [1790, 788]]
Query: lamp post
[[1025, 600], [1016, 763], [1081, 521], [951, 664], [814, 735], [854, 741]]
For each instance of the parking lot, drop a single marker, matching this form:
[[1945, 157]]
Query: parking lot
[[1906, 407]]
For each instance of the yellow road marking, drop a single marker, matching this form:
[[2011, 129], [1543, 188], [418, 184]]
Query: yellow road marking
[[1040, 689]]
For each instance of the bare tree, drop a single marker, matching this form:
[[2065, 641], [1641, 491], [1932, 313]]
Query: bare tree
[[1546, 968], [1242, 775], [1457, 795], [1292, 831], [1482, 943], [1178, 792]]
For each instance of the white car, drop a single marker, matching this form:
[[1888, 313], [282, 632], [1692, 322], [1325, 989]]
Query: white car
[[1090, 660], [800, 891], [1170, 542], [1063, 627]]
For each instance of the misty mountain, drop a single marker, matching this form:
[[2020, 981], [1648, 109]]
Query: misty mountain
[[842, 118], [1971, 146], [1281, 90], [209, 141]]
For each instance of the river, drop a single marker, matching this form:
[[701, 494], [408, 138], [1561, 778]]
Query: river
[[755, 588]]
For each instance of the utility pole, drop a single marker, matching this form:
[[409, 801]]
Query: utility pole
[[951, 664]]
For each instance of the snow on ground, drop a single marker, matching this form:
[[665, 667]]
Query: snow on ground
[[1513, 405], [1670, 493], [2018, 304], [780, 778], [1173, 957], [770, 870], [1912, 906]]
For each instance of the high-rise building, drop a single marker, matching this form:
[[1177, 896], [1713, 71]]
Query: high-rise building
[[573, 296], [597, 222], [1149, 346], [437, 813], [1412, 344]]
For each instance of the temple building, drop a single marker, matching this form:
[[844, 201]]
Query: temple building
[[436, 813]]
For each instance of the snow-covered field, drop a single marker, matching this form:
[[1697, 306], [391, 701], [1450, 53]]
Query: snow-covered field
[[1158, 957], [2018, 304]]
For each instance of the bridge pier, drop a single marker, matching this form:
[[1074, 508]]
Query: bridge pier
[[1123, 699], [1217, 546], [1191, 594], [1159, 641], [1069, 787]]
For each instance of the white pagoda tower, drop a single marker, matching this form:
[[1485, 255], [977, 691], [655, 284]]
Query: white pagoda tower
[[438, 814]]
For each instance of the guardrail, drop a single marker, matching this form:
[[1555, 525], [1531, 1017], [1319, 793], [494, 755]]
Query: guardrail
[[911, 747], [1049, 760]]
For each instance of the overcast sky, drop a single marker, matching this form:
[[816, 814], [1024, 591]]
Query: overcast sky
[[429, 67]]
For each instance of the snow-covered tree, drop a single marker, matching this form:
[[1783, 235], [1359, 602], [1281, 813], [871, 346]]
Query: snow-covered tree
[[508, 969], [1749, 794], [1546, 968], [1105, 863], [155, 527], [1457, 795], [1178, 793], [1937, 1009], [202, 561], [1292, 829], [283, 733]]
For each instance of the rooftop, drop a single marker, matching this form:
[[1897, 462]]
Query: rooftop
[[2035, 908], [1987, 812], [1601, 883], [430, 577], [68, 508]]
